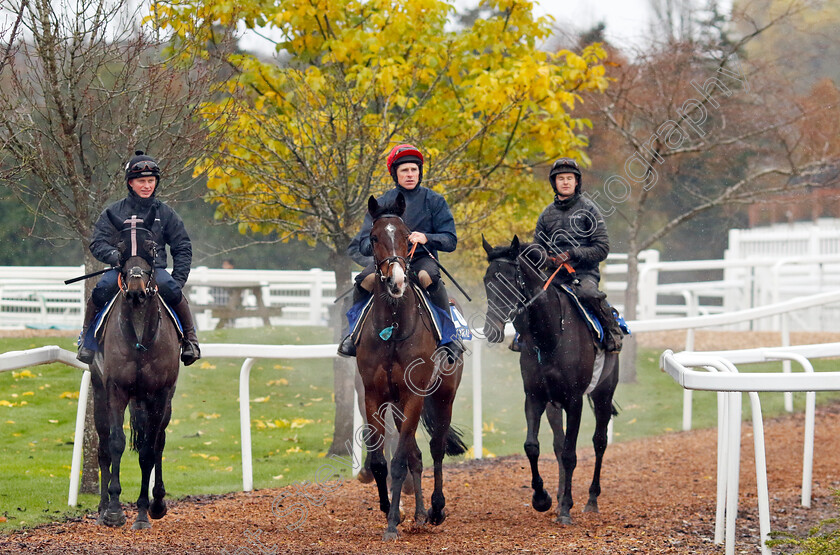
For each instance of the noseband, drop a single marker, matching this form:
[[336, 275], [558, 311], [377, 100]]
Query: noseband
[[134, 273]]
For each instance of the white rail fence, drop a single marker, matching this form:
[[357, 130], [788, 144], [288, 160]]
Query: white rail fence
[[37, 296], [721, 374]]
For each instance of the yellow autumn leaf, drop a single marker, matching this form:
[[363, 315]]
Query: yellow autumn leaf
[[294, 449], [213, 458], [301, 422], [28, 393], [207, 366], [280, 381], [278, 477], [202, 455], [69, 395], [259, 424], [5, 403], [53, 421], [261, 399], [23, 374]]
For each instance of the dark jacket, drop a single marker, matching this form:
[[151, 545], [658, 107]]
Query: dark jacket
[[576, 226], [168, 229], [425, 211]]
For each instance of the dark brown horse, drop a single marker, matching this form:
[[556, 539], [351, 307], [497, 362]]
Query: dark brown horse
[[138, 366], [557, 357], [401, 368]]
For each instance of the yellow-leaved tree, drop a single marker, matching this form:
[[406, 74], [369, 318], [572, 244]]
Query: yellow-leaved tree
[[307, 132]]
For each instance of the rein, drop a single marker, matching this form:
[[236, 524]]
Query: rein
[[520, 283]]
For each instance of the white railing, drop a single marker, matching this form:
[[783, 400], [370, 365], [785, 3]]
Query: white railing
[[33, 296], [46, 355], [722, 375]]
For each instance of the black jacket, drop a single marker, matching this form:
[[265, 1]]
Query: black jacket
[[425, 211], [577, 226], [168, 229]]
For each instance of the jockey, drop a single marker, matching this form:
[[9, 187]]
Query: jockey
[[142, 176], [428, 217], [573, 228]]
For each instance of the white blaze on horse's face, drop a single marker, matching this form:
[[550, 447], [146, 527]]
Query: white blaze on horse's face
[[398, 281]]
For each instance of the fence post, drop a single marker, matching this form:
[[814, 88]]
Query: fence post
[[316, 296], [648, 281]]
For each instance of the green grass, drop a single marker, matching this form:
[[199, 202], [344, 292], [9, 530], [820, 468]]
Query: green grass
[[292, 415]]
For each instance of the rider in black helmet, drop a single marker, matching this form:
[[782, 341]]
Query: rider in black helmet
[[572, 227], [142, 176]]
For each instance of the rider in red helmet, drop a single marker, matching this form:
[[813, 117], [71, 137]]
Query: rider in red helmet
[[573, 228], [430, 220]]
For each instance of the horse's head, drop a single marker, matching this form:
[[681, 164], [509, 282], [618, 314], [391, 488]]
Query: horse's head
[[137, 276], [502, 285], [389, 240]]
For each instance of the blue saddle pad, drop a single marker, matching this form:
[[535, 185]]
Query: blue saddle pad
[[92, 339], [445, 329], [591, 320]]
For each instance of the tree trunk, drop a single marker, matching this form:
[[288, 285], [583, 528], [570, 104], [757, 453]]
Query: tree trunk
[[344, 370], [90, 466]]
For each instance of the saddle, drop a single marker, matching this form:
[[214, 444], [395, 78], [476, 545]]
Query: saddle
[[97, 329]]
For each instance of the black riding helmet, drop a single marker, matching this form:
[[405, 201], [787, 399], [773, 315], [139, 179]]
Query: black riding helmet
[[141, 165], [564, 165]]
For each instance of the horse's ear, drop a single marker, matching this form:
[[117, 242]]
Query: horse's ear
[[400, 207], [150, 247], [121, 247], [373, 206], [514, 245], [487, 246]]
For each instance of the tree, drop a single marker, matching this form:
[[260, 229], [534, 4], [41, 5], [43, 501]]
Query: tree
[[307, 145], [697, 128], [82, 92]]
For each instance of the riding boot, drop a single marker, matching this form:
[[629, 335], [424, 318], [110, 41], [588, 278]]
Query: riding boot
[[347, 347], [612, 333], [189, 345], [86, 355], [437, 293]]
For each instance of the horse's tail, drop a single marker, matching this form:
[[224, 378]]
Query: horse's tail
[[454, 442], [136, 435]]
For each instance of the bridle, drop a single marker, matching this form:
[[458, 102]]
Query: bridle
[[136, 272], [519, 277], [402, 261]]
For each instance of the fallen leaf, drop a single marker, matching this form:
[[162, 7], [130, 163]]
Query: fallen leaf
[[69, 395]]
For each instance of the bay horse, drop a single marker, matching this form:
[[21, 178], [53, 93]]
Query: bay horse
[[557, 357], [401, 368], [138, 366]]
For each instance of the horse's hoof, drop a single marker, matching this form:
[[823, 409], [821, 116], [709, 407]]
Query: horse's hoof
[[141, 525], [114, 519], [541, 501], [563, 519], [100, 520], [436, 517], [420, 519], [157, 509], [365, 476], [591, 507], [390, 536]]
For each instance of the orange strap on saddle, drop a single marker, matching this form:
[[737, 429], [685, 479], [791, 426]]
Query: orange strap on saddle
[[413, 248], [562, 264]]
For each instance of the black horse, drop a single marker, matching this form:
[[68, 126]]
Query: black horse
[[138, 366], [557, 359]]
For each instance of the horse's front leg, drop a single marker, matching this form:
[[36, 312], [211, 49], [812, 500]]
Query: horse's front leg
[[534, 408], [103, 430], [374, 442], [399, 463], [147, 422], [117, 401], [554, 414], [158, 507], [603, 408], [569, 458]]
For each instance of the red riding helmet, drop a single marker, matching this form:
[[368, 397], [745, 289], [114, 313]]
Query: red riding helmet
[[401, 154]]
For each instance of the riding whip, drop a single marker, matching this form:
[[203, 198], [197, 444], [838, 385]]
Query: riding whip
[[86, 276], [442, 269]]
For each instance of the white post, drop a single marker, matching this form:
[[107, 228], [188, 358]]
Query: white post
[[78, 440], [760, 473], [478, 446], [785, 324], [358, 422], [316, 295], [648, 281], [733, 469], [245, 425]]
